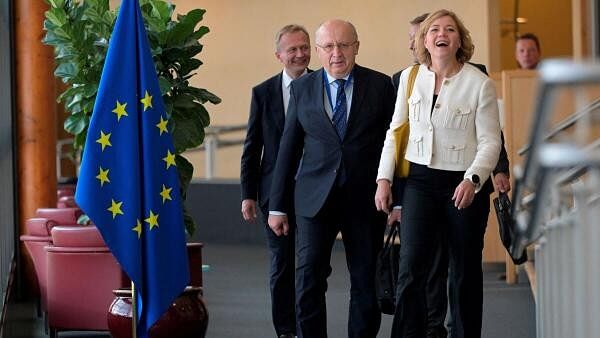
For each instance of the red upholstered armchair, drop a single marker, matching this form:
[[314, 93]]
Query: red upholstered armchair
[[60, 215], [81, 274], [37, 236], [66, 202]]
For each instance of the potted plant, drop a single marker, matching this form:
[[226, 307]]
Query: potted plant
[[80, 31]]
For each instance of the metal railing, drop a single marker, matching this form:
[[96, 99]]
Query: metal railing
[[557, 206], [213, 140]]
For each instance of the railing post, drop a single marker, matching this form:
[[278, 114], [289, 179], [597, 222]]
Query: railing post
[[210, 143]]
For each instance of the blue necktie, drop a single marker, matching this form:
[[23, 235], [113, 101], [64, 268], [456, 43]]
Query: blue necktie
[[340, 110]]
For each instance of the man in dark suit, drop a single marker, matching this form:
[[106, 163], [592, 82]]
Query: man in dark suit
[[436, 289], [265, 125], [329, 155]]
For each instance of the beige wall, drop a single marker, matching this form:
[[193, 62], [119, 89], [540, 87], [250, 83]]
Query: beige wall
[[239, 51]]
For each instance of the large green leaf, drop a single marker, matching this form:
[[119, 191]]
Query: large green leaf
[[76, 123], [57, 16], [66, 70], [186, 25], [56, 3], [202, 95], [188, 127], [200, 33]]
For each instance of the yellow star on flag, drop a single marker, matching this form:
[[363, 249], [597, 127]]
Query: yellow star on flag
[[104, 140], [138, 228], [152, 220], [120, 110], [147, 101], [115, 208], [166, 193], [170, 159], [162, 126], [103, 176]]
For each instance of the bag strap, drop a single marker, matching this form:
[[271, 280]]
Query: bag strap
[[391, 236], [412, 76]]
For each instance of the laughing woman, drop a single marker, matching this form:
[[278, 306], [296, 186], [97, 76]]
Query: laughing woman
[[453, 146]]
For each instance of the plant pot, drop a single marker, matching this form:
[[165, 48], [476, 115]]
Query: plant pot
[[186, 317]]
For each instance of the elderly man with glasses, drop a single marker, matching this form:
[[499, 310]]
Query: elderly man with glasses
[[328, 155]]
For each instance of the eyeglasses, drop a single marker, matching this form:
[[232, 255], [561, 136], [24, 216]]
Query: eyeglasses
[[343, 46]]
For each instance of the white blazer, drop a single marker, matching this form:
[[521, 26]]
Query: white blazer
[[462, 133]]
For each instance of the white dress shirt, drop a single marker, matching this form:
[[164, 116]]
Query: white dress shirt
[[286, 81], [333, 87]]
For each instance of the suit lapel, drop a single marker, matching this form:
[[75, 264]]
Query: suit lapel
[[358, 94], [319, 90], [276, 103]]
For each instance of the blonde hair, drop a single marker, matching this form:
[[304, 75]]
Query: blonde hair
[[464, 52]]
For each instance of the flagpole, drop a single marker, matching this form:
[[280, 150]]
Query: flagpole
[[134, 311]]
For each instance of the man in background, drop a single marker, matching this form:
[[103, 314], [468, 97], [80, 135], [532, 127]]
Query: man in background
[[265, 125], [527, 51], [436, 289]]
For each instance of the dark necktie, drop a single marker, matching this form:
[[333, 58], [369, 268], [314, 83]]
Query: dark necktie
[[340, 110]]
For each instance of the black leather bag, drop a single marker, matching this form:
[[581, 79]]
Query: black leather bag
[[506, 226], [386, 272]]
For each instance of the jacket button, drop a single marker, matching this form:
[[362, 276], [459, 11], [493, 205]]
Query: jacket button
[[430, 128], [334, 171], [446, 82], [437, 106]]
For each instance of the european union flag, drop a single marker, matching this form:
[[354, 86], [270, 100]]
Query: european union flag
[[128, 182]]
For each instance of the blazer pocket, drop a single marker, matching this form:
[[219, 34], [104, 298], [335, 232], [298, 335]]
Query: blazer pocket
[[454, 153], [415, 146], [414, 108], [458, 117]]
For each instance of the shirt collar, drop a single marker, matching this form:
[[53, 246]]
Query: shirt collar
[[331, 79], [287, 80]]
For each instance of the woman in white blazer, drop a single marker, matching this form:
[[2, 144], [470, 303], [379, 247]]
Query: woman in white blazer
[[453, 147]]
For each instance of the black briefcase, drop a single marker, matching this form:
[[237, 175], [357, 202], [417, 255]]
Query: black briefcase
[[386, 272], [506, 226]]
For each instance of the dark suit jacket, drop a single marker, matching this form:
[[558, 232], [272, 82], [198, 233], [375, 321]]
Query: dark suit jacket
[[265, 126], [501, 167], [310, 135]]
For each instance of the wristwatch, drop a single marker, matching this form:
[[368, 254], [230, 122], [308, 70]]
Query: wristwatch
[[474, 179]]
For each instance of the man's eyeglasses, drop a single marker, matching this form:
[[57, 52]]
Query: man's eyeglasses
[[343, 46]]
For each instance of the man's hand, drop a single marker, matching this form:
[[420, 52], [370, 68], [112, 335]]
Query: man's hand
[[249, 210], [394, 216], [502, 182], [464, 194], [383, 196], [279, 224]]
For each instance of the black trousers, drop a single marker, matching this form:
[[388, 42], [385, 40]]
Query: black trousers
[[437, 290], [282, 276], [362, 233], [429, 213]]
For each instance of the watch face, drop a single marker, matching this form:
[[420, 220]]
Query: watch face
[[475, 179]]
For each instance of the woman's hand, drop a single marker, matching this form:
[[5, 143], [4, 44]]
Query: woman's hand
[[383, 196], [464, 194]]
